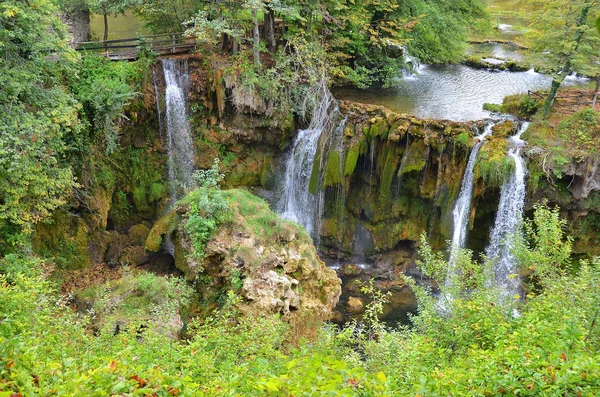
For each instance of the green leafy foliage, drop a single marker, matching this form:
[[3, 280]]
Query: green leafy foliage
[[38, 116], [105, 88], [477, 347], [137, 297], [208, 208]]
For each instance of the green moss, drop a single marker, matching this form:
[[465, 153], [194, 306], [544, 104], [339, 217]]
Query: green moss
[[313, 184], [492, 107], [503, 130], [136, 297], [415, 159], [266, 175], [253, 212], [379, 127], [522, 106], [352, 155], [464, 139], [333, 174], [164, 225], [364, 146], [493, 165], [120, 210], [389, 168], [65, 239]]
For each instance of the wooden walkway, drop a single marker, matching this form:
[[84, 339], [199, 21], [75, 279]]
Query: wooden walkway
[[572, 101], [130, 49]]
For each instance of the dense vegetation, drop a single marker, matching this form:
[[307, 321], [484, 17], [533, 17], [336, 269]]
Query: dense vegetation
[[549, 348], [62, 119]]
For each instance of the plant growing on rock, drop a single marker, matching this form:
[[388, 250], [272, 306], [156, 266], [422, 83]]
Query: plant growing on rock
[[208, 208]]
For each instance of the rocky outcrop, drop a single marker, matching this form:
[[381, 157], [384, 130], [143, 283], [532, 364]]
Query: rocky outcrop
[[269, 263], [394, 178], [78, 25]]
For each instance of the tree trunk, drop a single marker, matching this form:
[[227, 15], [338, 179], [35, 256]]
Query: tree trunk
[[235, 46], [256, 37], [270, 29], [556, 82], [225, 42], [105, 26], [596, 92]]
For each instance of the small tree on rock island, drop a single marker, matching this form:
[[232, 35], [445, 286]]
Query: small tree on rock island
[[564, 37]]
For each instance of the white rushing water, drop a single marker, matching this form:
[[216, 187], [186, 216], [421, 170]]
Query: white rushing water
[[180, 145], [508, 217], [462, 207], [297, 203]]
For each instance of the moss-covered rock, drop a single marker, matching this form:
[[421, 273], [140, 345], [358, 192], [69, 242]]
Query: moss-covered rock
[[333, 171], [270, 263], [165, 225]]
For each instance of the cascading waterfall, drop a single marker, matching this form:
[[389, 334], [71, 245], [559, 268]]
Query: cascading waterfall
[[462, 207], [510, 212], [412, 65], [297, 203], [157, 101], [178, 131]]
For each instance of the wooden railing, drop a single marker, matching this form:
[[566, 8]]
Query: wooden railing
[[572, 101], [124, 49]]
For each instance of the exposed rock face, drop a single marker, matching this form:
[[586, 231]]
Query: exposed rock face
[[78, 25], [269, 263], [587, 177], [398, 176]]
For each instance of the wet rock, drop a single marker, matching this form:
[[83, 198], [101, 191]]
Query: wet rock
[[354, 287], [386, 286], [336, 317], [98, 246], [270, 263], [382, 271], [272, 293], [138, 234], [134, 255], [350, 270], [355, 305]]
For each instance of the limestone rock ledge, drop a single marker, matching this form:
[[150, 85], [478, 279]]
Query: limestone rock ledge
[[269, 263]]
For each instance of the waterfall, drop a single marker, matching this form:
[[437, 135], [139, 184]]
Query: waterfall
[[297, 203], [508, 217], [157, 101], [180, 145], [412, 65], [462, 207]]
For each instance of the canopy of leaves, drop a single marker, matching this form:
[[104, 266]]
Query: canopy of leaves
[[37, 114], [564, 31]]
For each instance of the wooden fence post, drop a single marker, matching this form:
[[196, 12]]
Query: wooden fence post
[[596, 91]]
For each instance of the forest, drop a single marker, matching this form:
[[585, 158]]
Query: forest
[[299, 198]]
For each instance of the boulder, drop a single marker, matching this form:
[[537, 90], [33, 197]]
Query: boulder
[[350, 270], [355, 305], [269, 263]]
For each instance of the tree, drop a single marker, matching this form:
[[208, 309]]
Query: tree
[[110, 7], [565, 39], [39, 118]]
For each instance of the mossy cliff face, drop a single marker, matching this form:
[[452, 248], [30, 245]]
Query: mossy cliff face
[[130, 186], [400, 176], [269, 263], [246, 137]]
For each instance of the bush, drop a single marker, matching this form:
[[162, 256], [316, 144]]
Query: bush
[[208, 208]]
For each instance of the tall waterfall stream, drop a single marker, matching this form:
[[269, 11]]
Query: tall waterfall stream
[[508, 217], [177, 131]]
